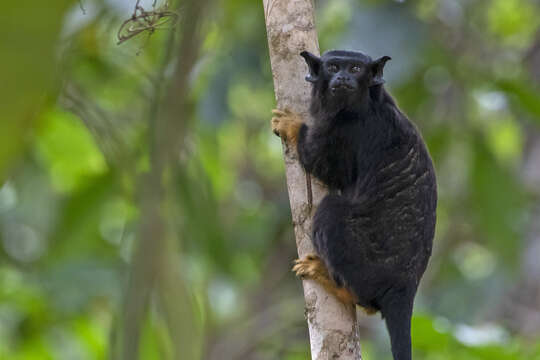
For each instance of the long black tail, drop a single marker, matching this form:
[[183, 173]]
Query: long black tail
[[396, 309]]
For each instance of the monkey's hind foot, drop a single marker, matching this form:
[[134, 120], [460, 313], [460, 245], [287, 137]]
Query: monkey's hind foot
[[312, 267], [286, 125]]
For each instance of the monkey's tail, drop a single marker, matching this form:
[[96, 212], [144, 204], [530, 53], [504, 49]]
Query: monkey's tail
[[396, 309]]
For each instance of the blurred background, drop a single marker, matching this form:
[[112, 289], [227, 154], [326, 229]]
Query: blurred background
[[143, 204]]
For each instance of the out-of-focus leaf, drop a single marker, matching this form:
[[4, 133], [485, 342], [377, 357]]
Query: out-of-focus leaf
[[77, 234], [68, 151], [505, 140], [93, 335], [155, 340], [524, 96], [496, 202], [29, 31], [515, 21], [425, 337]]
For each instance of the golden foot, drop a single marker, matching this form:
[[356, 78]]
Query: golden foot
[[308, 267]]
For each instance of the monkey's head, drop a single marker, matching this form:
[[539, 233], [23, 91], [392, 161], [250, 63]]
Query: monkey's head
[[344, 76]]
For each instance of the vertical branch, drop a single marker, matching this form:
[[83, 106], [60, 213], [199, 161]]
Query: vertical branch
[[290, 27]]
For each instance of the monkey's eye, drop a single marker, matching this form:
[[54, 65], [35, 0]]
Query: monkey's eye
[[332, 68], [356, 69]]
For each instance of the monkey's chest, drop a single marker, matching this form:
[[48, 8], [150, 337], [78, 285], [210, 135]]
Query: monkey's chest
[[336, 162]]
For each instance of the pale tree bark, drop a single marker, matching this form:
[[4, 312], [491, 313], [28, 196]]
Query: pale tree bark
[[290, 27]]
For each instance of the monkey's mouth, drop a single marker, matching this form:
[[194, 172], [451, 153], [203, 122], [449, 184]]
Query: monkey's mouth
[[341, 87]]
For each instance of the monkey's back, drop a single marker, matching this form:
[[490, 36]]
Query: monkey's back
[[395, 210], [378, 233]]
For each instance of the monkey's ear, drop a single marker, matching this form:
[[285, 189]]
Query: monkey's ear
[[314, 64], [377, 67]]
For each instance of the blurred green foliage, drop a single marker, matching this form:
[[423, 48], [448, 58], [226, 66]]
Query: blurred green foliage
[[78, 113], [29, 32]]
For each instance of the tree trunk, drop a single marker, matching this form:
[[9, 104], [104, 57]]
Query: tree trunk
[[290, 27]]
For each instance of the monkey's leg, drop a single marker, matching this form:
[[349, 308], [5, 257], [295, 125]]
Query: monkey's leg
[[337, 235], [312, 267], [286, 125]]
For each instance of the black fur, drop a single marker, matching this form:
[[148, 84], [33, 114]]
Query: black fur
[[375, 229]]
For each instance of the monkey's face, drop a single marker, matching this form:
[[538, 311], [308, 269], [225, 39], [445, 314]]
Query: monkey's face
[[344, 74]]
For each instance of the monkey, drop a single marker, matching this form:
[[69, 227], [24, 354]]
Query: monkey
[[373, 231]]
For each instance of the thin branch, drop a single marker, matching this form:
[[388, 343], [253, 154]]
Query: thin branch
[[142, 21], [81, 5]]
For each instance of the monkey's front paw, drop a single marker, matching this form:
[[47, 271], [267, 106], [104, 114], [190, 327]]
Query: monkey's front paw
[[286, 124], [307, 268]]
